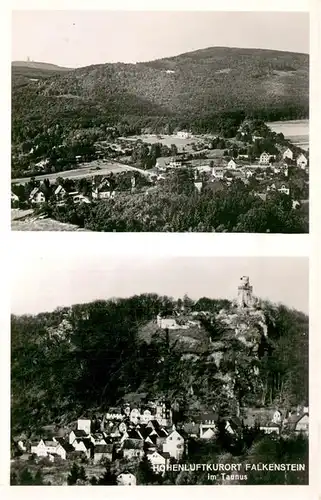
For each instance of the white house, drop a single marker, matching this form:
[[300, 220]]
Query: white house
[[126, 479], [158, 460], [174, 444], [207, 431], [60, 192], [45, 448], [134, 415], [145, 417], [198, 186], [269, 428], [79, 198], [284, 189], [302, 161], [288, 153], [231, 164], [277, 417], [218, 172], [14, 197], [265, 158], [182, 134], [84, 424], [37, 196], [170, 323], [83, 445], [115, 414]]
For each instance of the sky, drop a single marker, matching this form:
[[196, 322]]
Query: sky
[[80, 38], [74, 277]]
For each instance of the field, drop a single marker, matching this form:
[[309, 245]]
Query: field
[[24, 220], [297, 131], [97, 167], [167, 140]]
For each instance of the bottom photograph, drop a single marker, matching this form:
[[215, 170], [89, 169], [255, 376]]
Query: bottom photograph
[[159, 371]]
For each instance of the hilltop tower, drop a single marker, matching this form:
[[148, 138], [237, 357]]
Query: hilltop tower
[[245, 293]]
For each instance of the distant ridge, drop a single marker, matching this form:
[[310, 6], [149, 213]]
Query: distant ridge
[[39, 65]]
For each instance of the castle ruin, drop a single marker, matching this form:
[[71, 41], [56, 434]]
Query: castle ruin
[[245, 297]]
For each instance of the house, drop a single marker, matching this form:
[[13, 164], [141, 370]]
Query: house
[[284, 189], [302, 161], [174, 163], [269, 428], [198, 186], [21, 445], [114, 413], [97, 439], [37, 196], [265, 158], [218, 172], [233, 425], [174, 444], [203, 168], [288, 153], [83, 445], [42, 164], [146, 416], [162, 418], [231, 164], [77, 434], [169, 322], [103, 452], [126, 479], [84, 424], [134, 415], [60, 192], [182, 134], [103, 191], [133, 449], [280, 187], [162, 163], [192, 429], [45, 448], [14, 197], [302, 424], [79, 198], [158, 460]]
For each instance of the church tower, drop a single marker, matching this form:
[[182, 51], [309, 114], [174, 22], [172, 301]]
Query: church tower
[[245, 293]]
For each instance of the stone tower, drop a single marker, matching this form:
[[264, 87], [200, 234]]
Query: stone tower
[[245, 293]]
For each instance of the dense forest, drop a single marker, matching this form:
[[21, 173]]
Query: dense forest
[[206, 91], [90, 356], [178, 207]]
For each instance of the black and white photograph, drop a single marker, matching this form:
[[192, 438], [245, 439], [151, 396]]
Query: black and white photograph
[[160, 121], [159, 370]]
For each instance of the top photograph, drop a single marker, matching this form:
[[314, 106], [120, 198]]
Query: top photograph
[[136, 121]]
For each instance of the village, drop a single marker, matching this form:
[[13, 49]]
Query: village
[[132, 165], [148, 429], [130, 433]]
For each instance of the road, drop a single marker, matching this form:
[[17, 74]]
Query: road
[[86, 170]]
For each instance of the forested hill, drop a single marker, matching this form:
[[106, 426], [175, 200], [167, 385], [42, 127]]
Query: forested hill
[[187, 90], [85, 358]]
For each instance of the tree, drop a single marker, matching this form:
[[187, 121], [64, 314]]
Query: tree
[[174, 150], [108, 478], [145, 474], [76, 473]]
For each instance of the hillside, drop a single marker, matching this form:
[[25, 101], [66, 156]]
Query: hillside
[[190, 90], [38, 65], [90, 356]]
